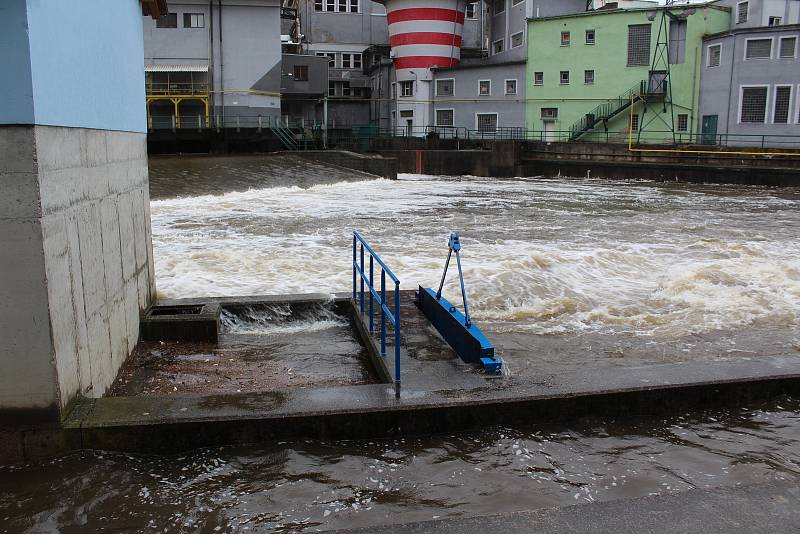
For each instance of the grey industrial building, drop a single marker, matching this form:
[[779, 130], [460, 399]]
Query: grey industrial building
[[750, 81], [213, 63]]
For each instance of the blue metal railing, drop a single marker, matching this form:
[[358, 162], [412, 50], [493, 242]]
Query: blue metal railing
[[381, 298]]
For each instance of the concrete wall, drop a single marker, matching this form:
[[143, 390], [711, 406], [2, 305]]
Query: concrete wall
[[76, 267], [760, 11], [720, 87]]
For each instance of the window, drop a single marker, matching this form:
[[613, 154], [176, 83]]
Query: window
[[445, 87], [346, 88], [683, 122], [564, 79], [780, 110], [564, 38], [511, 87], [337, 6], [331, 89], [677, 41], [484, 87], [538, 78], [407, 114], [301, 73], [407, 88], [635, 122], [517, 39], [753, 104], [550, 113], [498, 46], [787, 47], [194, 20], [516, 2], [499, 6], [351, 61], [775, 21], [714, 55], [588, 77], [590, 37], [486, 122], [444, 117], [758, 49], [394, 90], [638, 45], [741, 12], [472, 11], [170, 20], [331, 58]]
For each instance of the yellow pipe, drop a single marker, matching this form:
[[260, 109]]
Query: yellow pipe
[[680, 151]]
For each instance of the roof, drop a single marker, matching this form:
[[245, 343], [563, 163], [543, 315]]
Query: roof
[[177, 68], [661, 7], [754, 29]]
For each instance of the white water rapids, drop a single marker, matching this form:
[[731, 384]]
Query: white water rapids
[[542, 257]]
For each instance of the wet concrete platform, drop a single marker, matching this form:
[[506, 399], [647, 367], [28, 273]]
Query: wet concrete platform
[[767, 507]]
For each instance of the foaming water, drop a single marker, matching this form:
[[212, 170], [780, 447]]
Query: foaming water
[[548, 257], [303, 486], [279, 319]]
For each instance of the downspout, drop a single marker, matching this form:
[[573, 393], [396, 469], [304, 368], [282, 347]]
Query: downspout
[[211, 55], [730, 89], [221, 63]]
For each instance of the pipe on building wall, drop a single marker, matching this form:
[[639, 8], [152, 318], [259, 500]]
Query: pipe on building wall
[[221, 62], [211, 55]]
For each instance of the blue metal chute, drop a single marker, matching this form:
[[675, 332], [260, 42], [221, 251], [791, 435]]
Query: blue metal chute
[[456, 327]]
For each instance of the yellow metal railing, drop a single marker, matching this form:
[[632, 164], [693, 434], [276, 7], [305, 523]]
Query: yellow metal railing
[[176, 89]]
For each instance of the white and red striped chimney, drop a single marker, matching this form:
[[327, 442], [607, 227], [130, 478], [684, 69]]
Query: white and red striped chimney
[[423, 34]]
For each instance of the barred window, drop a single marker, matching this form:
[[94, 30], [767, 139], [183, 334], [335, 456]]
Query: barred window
[[590, 37], [588, 77], [564, 79], [484, 87], [511, 87], [638, 45], [444, 117], [487, 122], [444, 87], [683, 122], [538, 78], [741, 12], [516, 40], [635, 122], [549, 113], [565, 39], [787, 48], [754, 104], [780, 113], [714, 55], [758, 49]]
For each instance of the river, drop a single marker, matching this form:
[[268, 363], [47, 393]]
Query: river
[[559, 272]]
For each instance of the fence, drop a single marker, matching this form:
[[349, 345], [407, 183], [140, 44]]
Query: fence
[[394, 318]]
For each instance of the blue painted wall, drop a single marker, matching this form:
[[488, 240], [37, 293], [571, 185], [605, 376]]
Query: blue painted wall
[[86, 63], [16, 104]]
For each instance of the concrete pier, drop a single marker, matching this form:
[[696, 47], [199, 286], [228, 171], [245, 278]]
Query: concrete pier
[[77, 266]]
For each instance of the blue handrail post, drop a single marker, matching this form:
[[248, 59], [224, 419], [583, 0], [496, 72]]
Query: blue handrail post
[[354, 268], [371, 298], [383, 313], [362, 279], [397, 339]]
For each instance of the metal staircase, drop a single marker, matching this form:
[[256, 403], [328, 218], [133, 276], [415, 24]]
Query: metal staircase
[[607, 110], [286, 136]]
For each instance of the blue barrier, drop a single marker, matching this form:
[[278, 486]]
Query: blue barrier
[[381, 298]]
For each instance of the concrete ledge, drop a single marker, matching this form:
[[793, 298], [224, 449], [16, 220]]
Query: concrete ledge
[[769, 507], [168, 424]]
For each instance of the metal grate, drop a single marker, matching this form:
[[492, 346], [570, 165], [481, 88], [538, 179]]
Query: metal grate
[[444, 87], [714, 55], [741, 12], [444, 117], [639, 44], [683, 122], [754, 104], [758, 49], [788, 45], [783, 95], [487, 122]]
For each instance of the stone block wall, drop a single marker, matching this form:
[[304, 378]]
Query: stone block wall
[[77, 260]]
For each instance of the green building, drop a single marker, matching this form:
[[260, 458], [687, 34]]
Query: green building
[[585, 69]]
